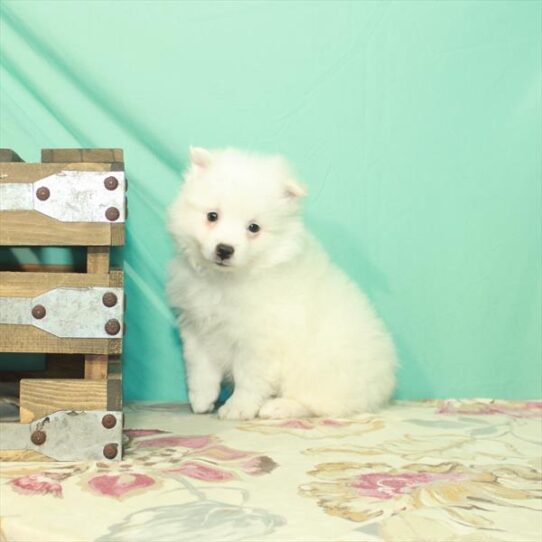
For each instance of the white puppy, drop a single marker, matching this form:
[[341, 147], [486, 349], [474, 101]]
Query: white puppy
[[260, 302]]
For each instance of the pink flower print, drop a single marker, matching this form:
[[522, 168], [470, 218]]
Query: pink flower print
[[222, 453], [119, 485], [516, 409], [168, 442], [535, 406], [134, 433], [203, 472], [527, 409], [296, 424], [333, 423], [36, 484], [382, 485], [259, 465]]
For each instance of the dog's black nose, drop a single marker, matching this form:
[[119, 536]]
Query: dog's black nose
[[224, 251]]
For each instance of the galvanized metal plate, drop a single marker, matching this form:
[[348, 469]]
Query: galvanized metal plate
[[68, 436], [70, 196], [79, 313]]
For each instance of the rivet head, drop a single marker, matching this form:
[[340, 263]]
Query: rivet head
[[109, 421], [39, 312], [38, 437], [109, 299], [111, 183], [112, 327], [110, 451], [112, 214], [43, 193]]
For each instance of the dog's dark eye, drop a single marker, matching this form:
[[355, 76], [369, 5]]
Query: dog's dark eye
[[254, 228], [212, 216]]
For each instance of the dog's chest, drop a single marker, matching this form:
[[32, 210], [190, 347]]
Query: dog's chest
[[217, 307]]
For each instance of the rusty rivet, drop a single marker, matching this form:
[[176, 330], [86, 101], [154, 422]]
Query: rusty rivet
[[112, 213], [109, 421], [111, 183], [109, 299], [110, 451], [112, 327], [38, 437], [39, 312], [42, 193]]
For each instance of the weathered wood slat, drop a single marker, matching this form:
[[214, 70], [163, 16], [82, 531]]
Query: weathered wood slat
[[21, 455], [8, 155], [97, 262], [31, 228], [28, 228], [114, 393], [26, 284], [82, 155], [40, 397], [27, 338], [14, 172]]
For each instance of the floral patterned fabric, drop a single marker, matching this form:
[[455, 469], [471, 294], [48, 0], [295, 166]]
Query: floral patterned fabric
[[429, 471]]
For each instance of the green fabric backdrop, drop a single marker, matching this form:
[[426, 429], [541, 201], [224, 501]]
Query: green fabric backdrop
[[416, 125]]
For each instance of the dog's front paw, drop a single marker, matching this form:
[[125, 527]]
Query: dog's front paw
[[238, 409], [201, 403], [281, 408]]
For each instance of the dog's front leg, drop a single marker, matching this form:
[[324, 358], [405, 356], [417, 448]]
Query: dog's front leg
[[203, 375], [251, 390]]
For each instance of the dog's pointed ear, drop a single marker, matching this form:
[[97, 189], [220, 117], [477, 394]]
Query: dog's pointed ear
[[200, 158], [294, 189]]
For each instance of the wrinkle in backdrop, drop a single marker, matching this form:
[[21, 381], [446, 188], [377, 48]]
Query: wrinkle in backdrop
[[416, 126]]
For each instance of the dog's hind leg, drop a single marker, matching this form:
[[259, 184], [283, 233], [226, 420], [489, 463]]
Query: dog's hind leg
[[282, 407]]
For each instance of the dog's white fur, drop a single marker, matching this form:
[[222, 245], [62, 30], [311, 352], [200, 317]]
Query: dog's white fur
[[293, 332]]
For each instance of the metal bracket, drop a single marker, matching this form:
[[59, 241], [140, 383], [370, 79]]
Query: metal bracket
[[94, 312], [70, 196], [68, 436]]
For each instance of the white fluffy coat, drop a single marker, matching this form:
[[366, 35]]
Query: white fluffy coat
[[295, 335]]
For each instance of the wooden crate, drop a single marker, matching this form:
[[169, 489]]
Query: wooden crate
[[73, 408]]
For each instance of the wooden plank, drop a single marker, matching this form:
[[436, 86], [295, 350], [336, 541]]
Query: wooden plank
[[8, 155], [115, 368], [98, 259], [96, 366], [42, 397], [22, 338], [12, 172], [26, 338], [118, 234], [30, 228], [116, 278], [61, 155], [97, 262], [82, 155], [114, 394], [21, 455], [14, 284]]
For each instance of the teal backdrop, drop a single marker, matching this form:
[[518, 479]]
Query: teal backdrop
[[416, 125]]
